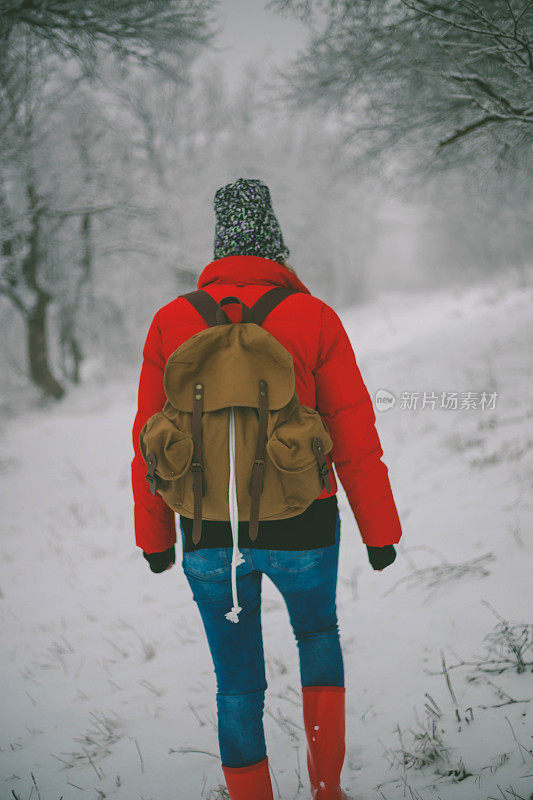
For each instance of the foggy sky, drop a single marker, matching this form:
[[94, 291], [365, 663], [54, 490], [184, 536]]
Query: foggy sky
[[250, 33]]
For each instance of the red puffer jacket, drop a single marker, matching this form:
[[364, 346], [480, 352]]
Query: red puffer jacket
[[327, 378]]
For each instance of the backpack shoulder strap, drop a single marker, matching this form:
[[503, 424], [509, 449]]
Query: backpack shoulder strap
[[208, 307], [204, 304], [268, 302]]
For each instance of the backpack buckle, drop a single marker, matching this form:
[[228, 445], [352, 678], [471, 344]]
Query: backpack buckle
[[196, 466], [323, 469], [257, 469], [151, 462]]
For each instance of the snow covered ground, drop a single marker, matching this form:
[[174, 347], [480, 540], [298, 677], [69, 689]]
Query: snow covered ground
[[107, 685]]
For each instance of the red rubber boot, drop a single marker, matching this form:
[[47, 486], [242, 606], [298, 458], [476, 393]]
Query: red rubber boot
[[249, 783], [324, 721]]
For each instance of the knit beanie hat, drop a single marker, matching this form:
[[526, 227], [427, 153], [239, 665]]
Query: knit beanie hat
[[246, 223]]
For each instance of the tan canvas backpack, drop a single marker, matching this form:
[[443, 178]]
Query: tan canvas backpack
[[233, 441]]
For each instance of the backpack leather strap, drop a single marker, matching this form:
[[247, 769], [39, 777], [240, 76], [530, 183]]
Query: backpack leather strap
[[151, 477], [196, 464], [208, 308], [268, 302], [258, 467], [318, 450], [206, 305], [222, 317]]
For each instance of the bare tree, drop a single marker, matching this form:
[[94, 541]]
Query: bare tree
[[452, 77], [145, 30], [49, 199]]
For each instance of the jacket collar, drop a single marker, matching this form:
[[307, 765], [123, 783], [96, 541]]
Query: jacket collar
[[250, 269]]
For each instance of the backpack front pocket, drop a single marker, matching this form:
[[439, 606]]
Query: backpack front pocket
[[291, 450], [167, 451]]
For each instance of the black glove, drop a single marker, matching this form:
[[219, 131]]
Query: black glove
[[381, 557], [160, 561]]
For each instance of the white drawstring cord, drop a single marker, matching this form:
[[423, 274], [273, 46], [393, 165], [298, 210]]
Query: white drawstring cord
[[237, 557]]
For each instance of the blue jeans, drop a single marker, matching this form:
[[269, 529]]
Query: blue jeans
[[307, 580]]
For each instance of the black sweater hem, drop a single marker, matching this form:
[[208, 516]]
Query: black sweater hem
[[314, 528]]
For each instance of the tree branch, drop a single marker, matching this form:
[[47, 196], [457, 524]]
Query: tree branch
[[459, 133]]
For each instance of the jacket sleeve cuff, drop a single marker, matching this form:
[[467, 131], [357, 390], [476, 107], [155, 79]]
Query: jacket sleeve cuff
[[160, 561], [381, 557]]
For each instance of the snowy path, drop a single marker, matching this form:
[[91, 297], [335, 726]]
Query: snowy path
[[106, 677]]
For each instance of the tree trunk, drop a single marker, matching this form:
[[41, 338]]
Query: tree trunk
[[38, 349], [71, 354], [76, 355], [86, 233]]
